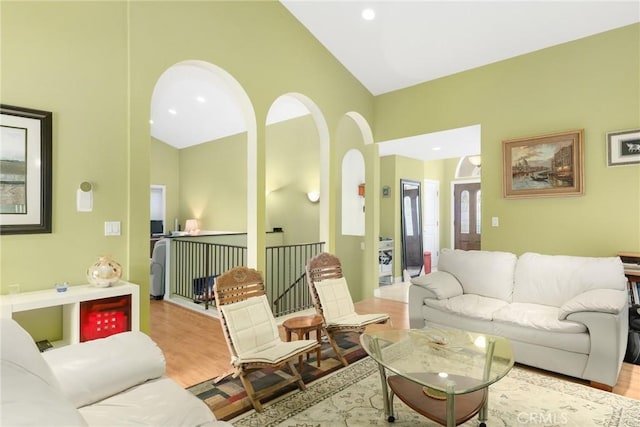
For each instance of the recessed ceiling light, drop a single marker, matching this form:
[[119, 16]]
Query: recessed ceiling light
[[172, 111], [436, 148], [201, 99], [368, 14]]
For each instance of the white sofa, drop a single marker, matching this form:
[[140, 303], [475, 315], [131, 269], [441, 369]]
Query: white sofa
[[113, 381], [565, 314]]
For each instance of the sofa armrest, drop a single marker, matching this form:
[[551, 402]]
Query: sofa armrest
[[93, 370], [611, 301], [436, 285], [608, 343], [440, 284]]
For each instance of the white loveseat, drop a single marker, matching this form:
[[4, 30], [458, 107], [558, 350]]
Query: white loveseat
[[113, 381], [565, 314]]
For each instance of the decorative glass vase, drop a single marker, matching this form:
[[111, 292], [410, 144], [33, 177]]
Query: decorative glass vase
[[105, 272]]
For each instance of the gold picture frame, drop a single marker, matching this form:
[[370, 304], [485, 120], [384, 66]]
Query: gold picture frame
[[548, 165]]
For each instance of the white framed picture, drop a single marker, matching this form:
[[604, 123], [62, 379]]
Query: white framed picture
[[623, 147]]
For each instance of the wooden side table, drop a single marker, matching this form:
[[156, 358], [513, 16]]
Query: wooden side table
[[301, 326]]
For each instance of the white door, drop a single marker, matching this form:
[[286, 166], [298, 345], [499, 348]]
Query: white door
[[431, 220]]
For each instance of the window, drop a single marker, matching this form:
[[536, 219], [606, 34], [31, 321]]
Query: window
[[464, 212]]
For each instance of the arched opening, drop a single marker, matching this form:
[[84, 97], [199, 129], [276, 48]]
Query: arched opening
[[204, 146], [297, 163]]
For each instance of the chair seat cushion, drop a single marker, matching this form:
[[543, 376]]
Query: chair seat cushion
[[278, 353], [357, 320], [255, 335]]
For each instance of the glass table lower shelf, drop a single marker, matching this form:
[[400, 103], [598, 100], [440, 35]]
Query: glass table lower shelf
[[443, 374]]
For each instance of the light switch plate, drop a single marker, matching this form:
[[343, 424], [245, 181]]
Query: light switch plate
[[112, 228], [495, 222]]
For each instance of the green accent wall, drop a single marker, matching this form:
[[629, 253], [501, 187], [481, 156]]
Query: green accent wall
[[213, 184], [71, 58], [591, 84]]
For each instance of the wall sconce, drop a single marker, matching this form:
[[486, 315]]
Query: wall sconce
[[313, 196], [361, 190], [191, 226], [475, 160], [84, 197]]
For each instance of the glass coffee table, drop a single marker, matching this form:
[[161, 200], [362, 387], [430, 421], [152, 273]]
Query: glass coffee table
[[443, 374]]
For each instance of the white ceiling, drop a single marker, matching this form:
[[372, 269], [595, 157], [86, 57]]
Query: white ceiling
[[446, 144], [409, 42]]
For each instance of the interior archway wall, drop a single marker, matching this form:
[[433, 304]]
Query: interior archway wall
[[195, 199], [356, 252], [319, 182]]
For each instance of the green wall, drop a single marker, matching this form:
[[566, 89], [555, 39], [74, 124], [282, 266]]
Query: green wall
[[589, 84], [292, 170], [94, 65], [349, 247], [70, 58], [213, 184]]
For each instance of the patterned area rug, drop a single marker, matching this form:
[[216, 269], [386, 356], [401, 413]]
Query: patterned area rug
[[352, 397], [227, 398]]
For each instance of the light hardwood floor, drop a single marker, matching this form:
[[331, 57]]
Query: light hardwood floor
[[195, 348]]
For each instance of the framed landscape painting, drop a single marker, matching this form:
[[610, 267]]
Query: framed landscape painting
[[25, 170], [543, 166]]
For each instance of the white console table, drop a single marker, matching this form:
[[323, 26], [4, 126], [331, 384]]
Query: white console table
[[71, 301]]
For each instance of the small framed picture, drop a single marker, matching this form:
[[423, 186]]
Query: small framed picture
[[623, 147]]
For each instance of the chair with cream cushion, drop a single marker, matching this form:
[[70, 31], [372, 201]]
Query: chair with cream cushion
[[332, 300], [251, 331]]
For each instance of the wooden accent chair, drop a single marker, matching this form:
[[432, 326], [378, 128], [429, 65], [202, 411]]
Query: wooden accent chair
[[332, 300], [251, 331]]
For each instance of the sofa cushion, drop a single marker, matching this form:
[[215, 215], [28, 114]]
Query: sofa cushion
[[441, 284], [29, 391], [470, 305], [555, 279], [485, 273], [536, 316], [159, 402], [539, 345], [27, 400], [18, 347], [104, 367]]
